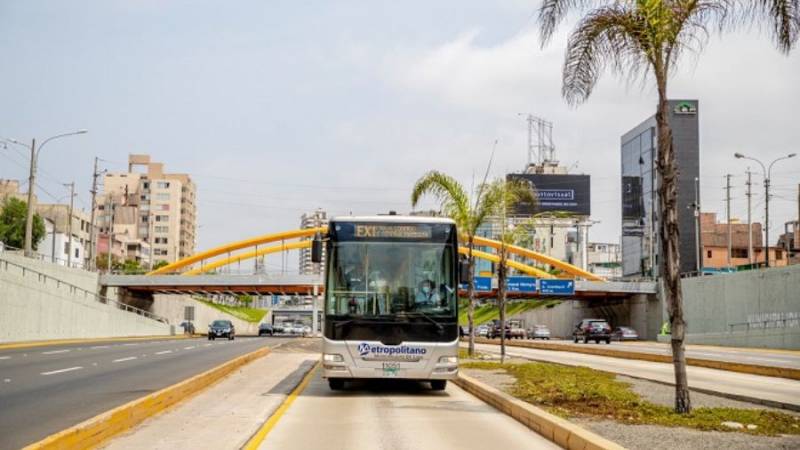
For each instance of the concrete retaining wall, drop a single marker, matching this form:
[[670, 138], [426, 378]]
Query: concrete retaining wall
[[746, 309], [172, 307], [33, 307]]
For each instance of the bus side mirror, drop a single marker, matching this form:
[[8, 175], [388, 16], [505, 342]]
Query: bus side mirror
[[316, 249], [463, 271]]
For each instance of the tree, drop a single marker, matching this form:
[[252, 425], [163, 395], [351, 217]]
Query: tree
[[647, 37], [468, 215], [12, 224], [503, 195], [160, 264], [244, 300], [131, 267]]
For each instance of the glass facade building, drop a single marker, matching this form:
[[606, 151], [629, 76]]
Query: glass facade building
[[639, 199]]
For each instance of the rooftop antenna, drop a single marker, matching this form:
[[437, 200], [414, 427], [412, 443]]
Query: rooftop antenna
[[542, 151]]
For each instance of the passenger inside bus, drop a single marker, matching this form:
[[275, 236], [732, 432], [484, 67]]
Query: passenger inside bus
[[427, 297]]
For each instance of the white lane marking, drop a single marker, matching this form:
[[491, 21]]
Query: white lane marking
[[131, 343], [124, 359], [188, 348], [5, 357], [206, 345], [7, 380], [53, 352], [100, 346], [164, 352], [94, 364], [68, 369]]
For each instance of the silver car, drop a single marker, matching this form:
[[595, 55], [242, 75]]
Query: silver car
[[539, 332]]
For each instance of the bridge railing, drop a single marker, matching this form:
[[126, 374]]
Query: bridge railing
[[74, 290]]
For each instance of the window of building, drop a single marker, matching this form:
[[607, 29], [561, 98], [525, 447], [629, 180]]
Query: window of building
[[163, 207], [161, 240], [161, 229], [159, 252], [739, 253], [163, 196], [66, 248], [146, 185], [778, 254], [162, 218], [162, 184], [708, 254]]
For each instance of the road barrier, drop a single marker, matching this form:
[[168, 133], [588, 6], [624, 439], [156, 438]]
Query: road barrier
[[560, 431], [98, 429], [752, 369]]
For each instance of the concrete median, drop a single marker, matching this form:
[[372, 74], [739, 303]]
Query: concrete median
[[558, 430]]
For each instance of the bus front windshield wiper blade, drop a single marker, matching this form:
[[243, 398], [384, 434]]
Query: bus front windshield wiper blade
[[439, 326]]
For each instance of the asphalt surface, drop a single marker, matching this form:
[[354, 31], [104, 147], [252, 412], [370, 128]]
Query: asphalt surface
[[756, 356], [44, 390], [396, 415], [777, 391]]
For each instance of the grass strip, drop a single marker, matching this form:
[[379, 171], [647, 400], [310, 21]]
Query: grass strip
[[589, 393], [253, 315]]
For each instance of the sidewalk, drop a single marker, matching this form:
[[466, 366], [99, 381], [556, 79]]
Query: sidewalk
[[228, 413]]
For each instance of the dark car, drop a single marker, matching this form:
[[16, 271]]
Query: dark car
[[221, 329], [625, 334], [592, 330], [266, 329], [494, 330]]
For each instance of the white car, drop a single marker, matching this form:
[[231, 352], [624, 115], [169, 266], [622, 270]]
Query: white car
[[539, 332]]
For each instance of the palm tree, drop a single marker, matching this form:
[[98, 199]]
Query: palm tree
[[503, 195], [468, 215], [641, 37]]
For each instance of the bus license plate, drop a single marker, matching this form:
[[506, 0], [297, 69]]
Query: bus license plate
[[391, 369]]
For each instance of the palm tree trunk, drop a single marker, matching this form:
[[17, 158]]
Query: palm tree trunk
[[471, 295], [670, 256], [501, 301]]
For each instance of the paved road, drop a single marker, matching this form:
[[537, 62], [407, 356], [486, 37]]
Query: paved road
[[392, 416], [761, 357], [779, 391], [46, 389]]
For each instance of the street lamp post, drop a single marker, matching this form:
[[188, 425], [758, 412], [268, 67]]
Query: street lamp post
[[32, 183], [767, 174]]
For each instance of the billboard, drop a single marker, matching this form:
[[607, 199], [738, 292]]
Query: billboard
[[568, 193], [632, 201]]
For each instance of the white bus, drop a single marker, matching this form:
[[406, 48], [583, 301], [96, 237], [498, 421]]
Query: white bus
[[391, 299]]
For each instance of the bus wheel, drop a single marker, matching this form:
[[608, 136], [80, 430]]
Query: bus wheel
[[438, 385], [336, 384]]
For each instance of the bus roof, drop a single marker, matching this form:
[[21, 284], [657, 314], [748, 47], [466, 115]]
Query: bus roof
[[393, 219]]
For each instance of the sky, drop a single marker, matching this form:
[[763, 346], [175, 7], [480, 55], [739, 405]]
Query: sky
[[276, 108]]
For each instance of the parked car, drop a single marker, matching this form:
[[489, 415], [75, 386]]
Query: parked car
[[306, 330], [592, 330], [482, 330], [539, 332], [277, 328], [220, 329], [625, 334], [265, 329], [511, 332]]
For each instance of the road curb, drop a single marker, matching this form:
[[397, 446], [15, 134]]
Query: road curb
[[29, 344], [102, 427], [752, 369], [560, 431]]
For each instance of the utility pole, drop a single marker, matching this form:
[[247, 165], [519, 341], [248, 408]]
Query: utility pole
[[728, 213], [69, 223], [749, 218], [92, 227], [31, 206], [766, 219], [110, 234], [696, 209]]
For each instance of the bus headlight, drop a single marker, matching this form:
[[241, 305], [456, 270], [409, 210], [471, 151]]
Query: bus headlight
[[448, 360], [332, 358]]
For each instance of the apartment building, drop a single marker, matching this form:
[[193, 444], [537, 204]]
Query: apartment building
[[152, 213], [317, 218], [714, 241]]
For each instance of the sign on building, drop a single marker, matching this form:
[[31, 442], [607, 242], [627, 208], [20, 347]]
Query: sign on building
[[188, 313]]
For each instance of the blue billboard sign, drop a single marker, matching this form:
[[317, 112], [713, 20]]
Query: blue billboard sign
[[482, 284], [521, 284], [556, 287]]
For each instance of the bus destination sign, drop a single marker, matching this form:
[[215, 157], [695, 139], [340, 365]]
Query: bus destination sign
[[393, 231]]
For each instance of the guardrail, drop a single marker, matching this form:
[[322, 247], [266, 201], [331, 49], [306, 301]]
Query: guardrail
[[74, 264], [76, 290]]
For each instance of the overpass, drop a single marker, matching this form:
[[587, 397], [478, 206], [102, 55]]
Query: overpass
[[260, 284]]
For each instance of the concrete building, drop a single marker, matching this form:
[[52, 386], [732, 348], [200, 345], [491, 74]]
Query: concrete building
[[605, 260], [10, 188], [714, 238], [149, 209], [314, 219], [640, 246]]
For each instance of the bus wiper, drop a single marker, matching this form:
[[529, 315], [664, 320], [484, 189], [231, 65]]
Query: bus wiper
[[439, 326]]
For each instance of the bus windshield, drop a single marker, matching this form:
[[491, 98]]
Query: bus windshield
[[372, 279]]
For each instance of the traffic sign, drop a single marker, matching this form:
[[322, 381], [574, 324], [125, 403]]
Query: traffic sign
[[521, 284], [556, 287], [482, 284]]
